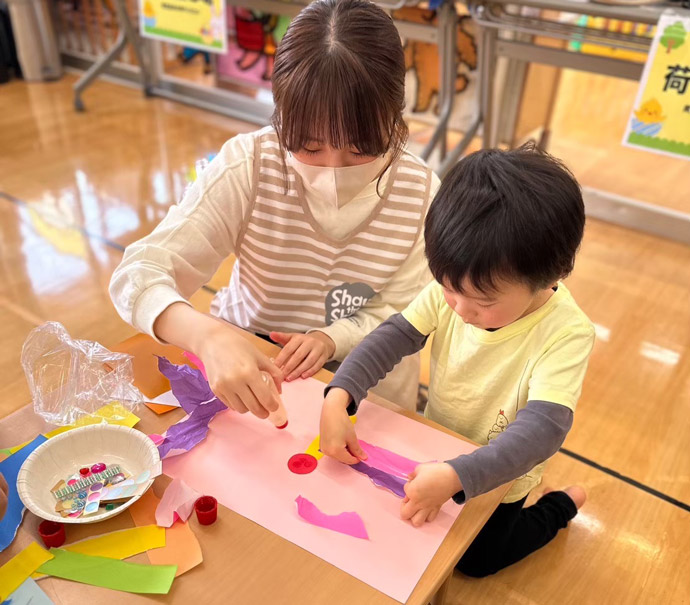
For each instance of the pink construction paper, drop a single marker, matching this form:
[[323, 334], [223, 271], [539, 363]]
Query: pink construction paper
[[243, 463], [388, 461], [197, 362], [177, 503], [349, 523]]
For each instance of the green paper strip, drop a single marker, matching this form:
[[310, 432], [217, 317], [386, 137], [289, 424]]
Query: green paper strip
[[109, 573]]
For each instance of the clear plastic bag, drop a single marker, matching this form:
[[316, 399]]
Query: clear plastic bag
[[72, 378]]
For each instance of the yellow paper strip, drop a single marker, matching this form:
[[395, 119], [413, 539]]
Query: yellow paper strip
[[119, 544], [20, 567], [314, 446], [113, 413]]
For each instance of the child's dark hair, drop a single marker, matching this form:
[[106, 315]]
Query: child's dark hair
[[515, 215], [339, 77]]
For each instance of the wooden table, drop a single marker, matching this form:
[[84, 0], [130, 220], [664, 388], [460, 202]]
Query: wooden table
[[243, 562]]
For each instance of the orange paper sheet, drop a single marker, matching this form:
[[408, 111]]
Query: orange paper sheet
[[181, 546], [159, 408]]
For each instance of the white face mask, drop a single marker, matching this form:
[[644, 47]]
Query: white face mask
[[338, 185]]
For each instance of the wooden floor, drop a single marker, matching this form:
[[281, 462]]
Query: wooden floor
[[587, 133], [76, 188]]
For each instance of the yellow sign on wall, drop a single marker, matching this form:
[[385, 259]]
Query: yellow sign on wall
[[660, 119], [194, 23]]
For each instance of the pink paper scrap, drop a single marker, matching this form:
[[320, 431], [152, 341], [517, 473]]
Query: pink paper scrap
[[345, 523], [157, 439], [387, 461], [177, 502], [197, 362]]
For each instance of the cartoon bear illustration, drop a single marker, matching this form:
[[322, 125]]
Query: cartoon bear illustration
[[499, 426], [422, 57]]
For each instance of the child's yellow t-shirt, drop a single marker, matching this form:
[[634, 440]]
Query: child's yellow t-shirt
[[480, 379]]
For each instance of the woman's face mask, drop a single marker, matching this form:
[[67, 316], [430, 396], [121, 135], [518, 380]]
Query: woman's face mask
[[337, 184]]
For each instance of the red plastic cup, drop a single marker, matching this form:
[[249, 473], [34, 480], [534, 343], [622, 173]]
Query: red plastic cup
[[52, 534], [206, 509]]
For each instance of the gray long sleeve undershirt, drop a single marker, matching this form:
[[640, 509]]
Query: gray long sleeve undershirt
[[537, 432]]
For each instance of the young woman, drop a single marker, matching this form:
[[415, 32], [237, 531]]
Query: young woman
[[324, 211]]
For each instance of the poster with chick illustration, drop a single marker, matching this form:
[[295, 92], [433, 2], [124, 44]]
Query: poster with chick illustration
[[660, 119]]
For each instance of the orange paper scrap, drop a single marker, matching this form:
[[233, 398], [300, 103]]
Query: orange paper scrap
[[181, 546]]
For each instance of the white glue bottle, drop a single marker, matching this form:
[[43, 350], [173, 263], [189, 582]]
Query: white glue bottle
[[279, 417]]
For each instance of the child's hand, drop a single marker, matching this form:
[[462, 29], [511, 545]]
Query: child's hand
[[427, 490], [303, 354], [338, 437], [233, 366], [4, 490]]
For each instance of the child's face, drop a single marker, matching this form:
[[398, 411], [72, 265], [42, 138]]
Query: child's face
[[508, 303], [316, 153]]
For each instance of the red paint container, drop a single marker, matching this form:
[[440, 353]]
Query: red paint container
[[206, 509], [52, 534]]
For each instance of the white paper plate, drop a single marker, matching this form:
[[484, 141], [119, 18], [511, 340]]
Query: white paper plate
[[64, 454]]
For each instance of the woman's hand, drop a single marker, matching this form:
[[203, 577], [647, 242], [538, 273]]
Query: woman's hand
[[233, 365], [303, 354]]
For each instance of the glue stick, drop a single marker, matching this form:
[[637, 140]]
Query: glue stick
[[279, 417]]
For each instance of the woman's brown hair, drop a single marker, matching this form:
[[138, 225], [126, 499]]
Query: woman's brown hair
[[339, 78]]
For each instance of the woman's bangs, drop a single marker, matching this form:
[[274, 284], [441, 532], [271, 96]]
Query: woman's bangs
[[337, 113]]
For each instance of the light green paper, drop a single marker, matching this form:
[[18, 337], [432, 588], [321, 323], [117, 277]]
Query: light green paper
[[109, 573]]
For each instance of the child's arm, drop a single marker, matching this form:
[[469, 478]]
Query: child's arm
[[541, 427], [534, 436], [377, 355]]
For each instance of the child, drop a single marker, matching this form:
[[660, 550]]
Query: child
[[324, 212], [509, 353]]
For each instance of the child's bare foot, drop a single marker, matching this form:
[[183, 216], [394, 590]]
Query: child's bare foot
[[577, 494]]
